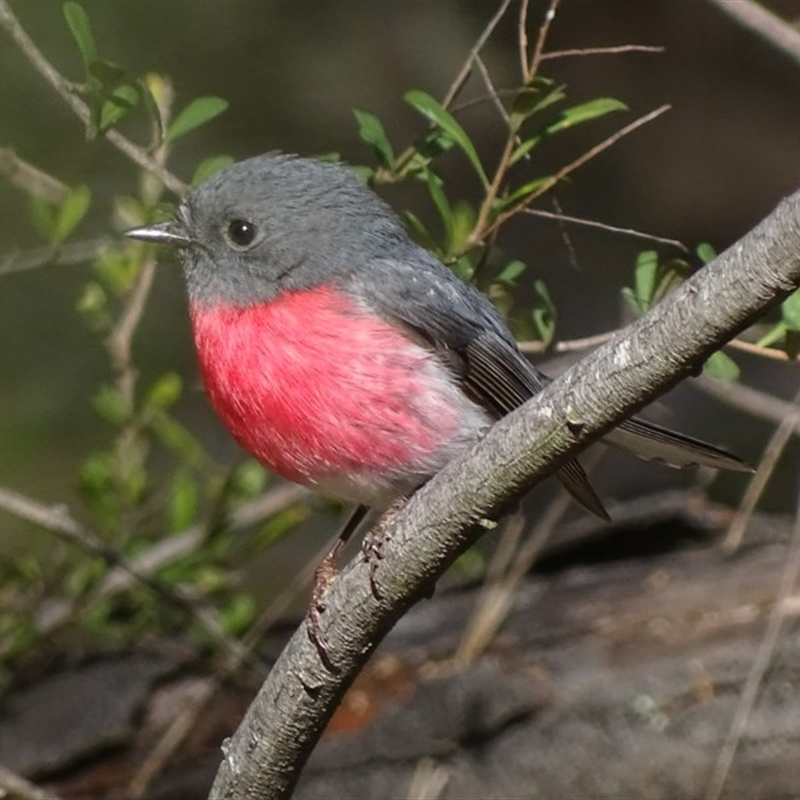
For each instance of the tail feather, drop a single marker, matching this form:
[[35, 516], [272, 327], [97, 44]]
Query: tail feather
[[654, 443], [574, 480]]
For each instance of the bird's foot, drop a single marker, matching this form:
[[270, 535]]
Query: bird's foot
[[374, 541]]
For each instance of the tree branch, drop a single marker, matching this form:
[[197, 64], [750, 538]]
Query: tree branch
[[65, 89], [264, 757], [759, 20]]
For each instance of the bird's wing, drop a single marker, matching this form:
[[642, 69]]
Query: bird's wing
[[461, 325]]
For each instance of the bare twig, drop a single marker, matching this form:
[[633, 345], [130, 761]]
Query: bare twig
[[15, 787], [603, 51], [65, 90], [559, 175], [57, 520], [758, 482], [788, 581], [493, 95], [31, 179], [538, 50], [745, 398], [604, 226], [62, 255], [463, 73], [204, 692], [507, 569], [759, 20], [118, 343], [170, 548]]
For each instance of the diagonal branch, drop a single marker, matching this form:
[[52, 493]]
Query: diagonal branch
[[759, 20], [264, 757], [65, 89]]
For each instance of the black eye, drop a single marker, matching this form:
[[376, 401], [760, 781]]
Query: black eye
[[241, 232]]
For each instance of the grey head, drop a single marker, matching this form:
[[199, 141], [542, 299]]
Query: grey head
[[276, 222]]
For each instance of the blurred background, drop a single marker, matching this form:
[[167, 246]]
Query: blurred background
[[293, 72]]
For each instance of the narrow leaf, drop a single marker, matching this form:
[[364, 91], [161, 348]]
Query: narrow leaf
[[790, 311], [106, 72], [706, 253], [371, 131], [72, 211], [210, 166], [523, 149], [198, 112], [645, 278], [722, 366], [121, 102], [440, 116], [585, 112], [81, 30]]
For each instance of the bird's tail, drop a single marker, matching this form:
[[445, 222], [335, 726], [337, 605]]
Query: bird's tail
[[654, 443]]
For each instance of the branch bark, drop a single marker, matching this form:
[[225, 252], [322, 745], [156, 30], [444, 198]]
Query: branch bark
[[264, 757]]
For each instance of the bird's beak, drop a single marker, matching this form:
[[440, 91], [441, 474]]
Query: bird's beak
[[171, 232]]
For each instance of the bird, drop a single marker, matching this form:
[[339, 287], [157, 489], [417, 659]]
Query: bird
[[340, 353]]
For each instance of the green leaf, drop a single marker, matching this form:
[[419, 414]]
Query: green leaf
[[705, 252], [585, 112], [523, 149], [529, 101], [198, 112], [790, 311], [544, 313], [71, 212], [151, 106], [645, 278], [775, 334], [109, 403], [183, 500], [119, 103], [418, 230], [81, 30], [43, 216], [721, 366], [165, 391], [440, 116], [521, 194], [250, 479], [371, 131], [106, 72], [209, 167], [511, 272], [463, 267], [441, 202]]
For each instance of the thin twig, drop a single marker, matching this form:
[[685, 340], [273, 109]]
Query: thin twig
[[463, 73], [58, 521], [538, 50], [65, 90], [493, 95], [31, 179], [522, 40], [15, 787], [766, 466], [603, 51], [788, 581], [604, 226], [169, 549], [172, 739], [747, 399], [759, 20], [62, 255], [497, 594], [119, 341], [572, 166]]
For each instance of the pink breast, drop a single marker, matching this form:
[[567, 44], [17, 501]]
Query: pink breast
[[316, 388]]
